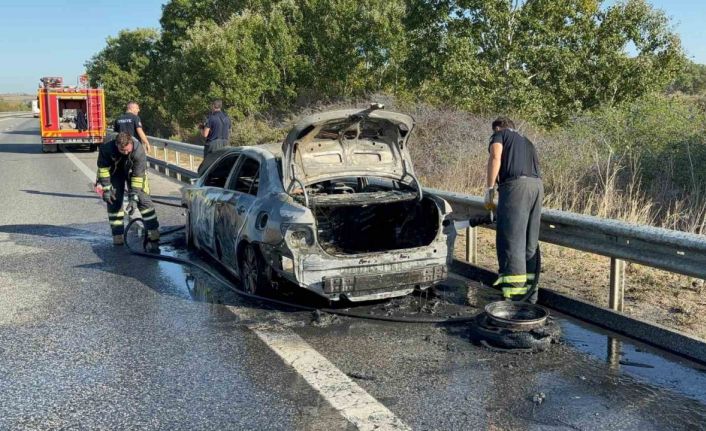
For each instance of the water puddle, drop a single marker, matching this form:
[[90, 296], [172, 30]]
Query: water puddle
[[639, 361]]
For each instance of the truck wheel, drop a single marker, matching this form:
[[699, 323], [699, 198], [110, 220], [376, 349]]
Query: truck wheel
[[92, 148], [49, 148], [254, 273]]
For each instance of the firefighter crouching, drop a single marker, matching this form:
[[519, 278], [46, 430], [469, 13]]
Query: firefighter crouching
[[120, 160]]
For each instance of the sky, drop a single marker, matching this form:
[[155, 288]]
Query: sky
[[56, 38]]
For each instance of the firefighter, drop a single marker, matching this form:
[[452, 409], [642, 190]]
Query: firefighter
[[120, 160], [131, 124], [513, 173]]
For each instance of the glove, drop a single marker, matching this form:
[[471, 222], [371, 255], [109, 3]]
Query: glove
[[489, 199], [132, 200], [108, 194]]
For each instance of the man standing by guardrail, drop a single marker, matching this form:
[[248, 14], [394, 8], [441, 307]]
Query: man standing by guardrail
[[513, 171], [119, 160], [131, 124], [216, 129]]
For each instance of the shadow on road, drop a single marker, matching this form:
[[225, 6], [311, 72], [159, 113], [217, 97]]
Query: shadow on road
[[29, 148], [22, 132]]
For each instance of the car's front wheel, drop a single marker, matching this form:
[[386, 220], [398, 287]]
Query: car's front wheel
[[254, 273]]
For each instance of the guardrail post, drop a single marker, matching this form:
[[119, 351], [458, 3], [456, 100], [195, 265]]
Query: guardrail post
[[471, 245], [617, 284], [191, 162]]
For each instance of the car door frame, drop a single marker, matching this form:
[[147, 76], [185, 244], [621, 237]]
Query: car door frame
[[232, 219], [206, 201]]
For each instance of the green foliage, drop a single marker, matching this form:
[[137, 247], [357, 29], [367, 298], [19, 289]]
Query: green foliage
[[121, 68], [544, 60], [690, 80], [662, 136]]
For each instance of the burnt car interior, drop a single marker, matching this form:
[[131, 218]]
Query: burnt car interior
[[373, 222], [247, 179], [363, 214], [219, 174]]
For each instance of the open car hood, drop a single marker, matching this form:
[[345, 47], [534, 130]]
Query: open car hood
[[348, 143]]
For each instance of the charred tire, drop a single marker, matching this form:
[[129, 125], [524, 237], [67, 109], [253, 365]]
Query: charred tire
[[254, 272], [504, 339]]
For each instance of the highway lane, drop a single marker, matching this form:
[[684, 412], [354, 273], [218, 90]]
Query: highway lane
[[93, 338]]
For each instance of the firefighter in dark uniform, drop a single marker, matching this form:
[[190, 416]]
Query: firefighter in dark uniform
[[120, 160], [513, 171], [131, 124]]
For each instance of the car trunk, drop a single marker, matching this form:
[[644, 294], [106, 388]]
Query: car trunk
[[385, 225]]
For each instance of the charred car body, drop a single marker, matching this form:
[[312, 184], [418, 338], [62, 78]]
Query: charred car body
[[336, 209]]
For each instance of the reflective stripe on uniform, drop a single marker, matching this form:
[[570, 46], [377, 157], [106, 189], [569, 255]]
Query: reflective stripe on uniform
[[103, 172], [511, 279], [116, 222], [512, 291], [150, 217], [138, 182], [530, 277]]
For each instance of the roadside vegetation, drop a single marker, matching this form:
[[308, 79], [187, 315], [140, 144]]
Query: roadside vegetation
[[603, 89], [9, 105]]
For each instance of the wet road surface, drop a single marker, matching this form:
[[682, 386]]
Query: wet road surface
[[94, 338]]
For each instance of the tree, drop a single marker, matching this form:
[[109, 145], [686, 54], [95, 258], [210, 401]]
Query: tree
[[244, 62], [120, 68], [351, 47], [543, 59]]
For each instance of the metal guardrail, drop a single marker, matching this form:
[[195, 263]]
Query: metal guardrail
[[665, 249], [159, 158], [669, 250]]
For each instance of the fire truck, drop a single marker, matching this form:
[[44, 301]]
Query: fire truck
[[70, 115]]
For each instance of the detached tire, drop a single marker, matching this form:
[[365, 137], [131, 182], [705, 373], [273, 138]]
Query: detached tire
[[254, 273], [535, 340]]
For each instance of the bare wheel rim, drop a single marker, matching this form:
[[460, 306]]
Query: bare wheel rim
[[250, 270]]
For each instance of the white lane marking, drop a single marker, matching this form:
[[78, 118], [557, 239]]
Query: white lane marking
[[344, 395], [79, 164]]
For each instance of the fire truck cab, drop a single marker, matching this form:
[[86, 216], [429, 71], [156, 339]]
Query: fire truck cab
[[70, 116]]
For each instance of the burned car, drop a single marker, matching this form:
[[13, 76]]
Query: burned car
[[335, 208]]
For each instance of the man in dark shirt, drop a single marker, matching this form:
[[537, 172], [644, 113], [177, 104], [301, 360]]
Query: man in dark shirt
[[216, 129], [513, 165], [120, 160], [131, 124]]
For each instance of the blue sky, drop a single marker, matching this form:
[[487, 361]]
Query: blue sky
[[55, 38]]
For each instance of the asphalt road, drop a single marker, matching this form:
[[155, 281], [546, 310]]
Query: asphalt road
[[92, 337]]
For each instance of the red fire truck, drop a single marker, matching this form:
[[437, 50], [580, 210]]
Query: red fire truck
[[70, 116]]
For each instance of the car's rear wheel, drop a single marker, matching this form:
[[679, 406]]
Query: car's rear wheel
[[254, 273]]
